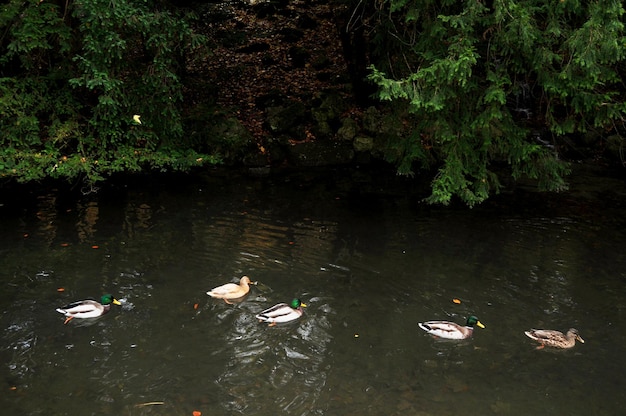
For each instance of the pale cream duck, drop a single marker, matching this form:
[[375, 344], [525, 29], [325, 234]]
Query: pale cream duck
[[232, 291]]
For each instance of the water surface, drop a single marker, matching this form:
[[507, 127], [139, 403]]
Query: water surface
[[369, 264]]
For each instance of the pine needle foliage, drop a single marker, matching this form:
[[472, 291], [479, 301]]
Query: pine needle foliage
[[498, 82]]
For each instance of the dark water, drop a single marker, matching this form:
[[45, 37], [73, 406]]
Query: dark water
[[368, 259]]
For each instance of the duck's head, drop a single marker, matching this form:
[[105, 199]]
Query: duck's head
[[296, 303], [574, 332], [246, 280], [472, 320], [109, 299]]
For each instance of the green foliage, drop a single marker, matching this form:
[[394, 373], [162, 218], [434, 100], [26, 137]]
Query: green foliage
[[74, 74], [481, 78]]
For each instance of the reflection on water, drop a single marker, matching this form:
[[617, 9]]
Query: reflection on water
[[369, 268], [271, 370]]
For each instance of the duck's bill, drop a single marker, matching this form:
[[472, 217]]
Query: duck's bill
[[303, 304], [116, 302], [479, 324], [580, 339]]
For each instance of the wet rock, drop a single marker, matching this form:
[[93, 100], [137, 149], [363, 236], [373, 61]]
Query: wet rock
[[323, 130], [331, 106], [363, 144], [283, 119], [326, 115], [372, 120], [348, 129]]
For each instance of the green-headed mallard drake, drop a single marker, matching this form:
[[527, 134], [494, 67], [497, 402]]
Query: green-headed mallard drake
[[88, 308], [451, 330], [556, 339], [231, 290], [282, 312]]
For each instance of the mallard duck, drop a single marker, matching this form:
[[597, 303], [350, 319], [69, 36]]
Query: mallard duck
[[231, 290], [556, 339], [282, 312], [450, 330], [88, 308]]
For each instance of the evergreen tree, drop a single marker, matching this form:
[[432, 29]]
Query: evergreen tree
[[498, 82]]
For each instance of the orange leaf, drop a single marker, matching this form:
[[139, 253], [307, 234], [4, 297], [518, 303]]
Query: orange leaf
[[457, 301], [197, 413]]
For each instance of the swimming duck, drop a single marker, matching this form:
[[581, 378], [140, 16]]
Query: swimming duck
[[88, 308], [556, 339], [451, 330], [232, 290], [282, 312]]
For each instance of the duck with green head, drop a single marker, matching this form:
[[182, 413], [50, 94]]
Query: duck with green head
[[88, 308], [451, 330], [282, 312]]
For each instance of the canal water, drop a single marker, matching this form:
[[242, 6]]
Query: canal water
[[366, 256]]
